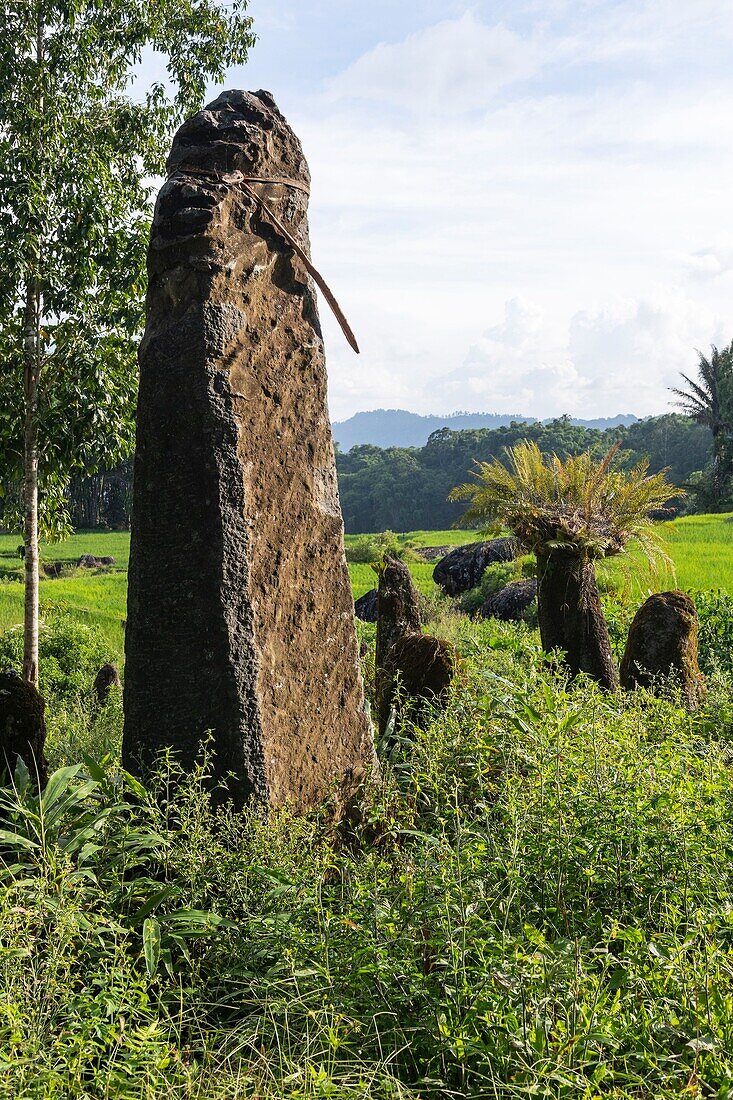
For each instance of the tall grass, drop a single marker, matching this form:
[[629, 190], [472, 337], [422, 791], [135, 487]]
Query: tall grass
[[533, 898]]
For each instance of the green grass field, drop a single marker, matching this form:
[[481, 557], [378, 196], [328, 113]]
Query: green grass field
[[701, 548]]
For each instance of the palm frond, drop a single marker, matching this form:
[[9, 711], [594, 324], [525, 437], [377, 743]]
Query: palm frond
[[577, 502]]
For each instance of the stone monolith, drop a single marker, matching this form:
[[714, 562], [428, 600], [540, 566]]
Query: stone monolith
[[240, 614], [662, 647], [22, 729], [412, 669]]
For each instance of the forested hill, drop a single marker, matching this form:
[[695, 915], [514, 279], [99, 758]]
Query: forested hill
[[405, 488], [399, 428]]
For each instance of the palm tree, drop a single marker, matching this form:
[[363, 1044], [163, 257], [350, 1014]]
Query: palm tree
[[570, 513], [709, 402]]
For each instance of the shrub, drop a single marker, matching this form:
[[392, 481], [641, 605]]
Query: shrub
[[715, 610], [71, 653], [495, 577], [370, 548]]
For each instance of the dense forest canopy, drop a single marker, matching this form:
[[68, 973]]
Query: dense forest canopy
[[405, 489], [400, 428]]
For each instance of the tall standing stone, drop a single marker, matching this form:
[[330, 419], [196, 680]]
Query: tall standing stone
[[662, 647], [240, 614], [408, 662]]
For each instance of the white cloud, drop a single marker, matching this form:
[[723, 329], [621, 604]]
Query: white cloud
[[522, 206], [622, 358], [453, 66], [592, 183]]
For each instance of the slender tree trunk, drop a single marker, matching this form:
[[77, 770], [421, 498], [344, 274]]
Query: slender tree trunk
[[719, 467], [31, 380], [30, 484], [571, 617]]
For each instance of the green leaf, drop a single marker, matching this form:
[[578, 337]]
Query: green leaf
[[151, 945]]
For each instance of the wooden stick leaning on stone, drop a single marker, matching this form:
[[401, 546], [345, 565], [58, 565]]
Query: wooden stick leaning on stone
[[239, 178]]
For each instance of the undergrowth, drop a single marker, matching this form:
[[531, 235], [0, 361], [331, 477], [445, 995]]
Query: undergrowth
[[532, 898]]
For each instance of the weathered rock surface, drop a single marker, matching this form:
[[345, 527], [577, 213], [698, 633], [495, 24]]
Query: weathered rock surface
[[510, 602], [464, 567], [570, 616], [22, 728], [434, 553], [663, 643], [107, 678], [412, 668], [417, 673], [365, 608], [240, 613], [90, 561], [398, 608]]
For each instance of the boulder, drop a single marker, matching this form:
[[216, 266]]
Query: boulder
[[510, 602], [107, 678], [663, 645], [53, 569], [417, 674], [463, 568], [90, 561], [434, 553], [240, 621], [365, 608], [22, 728]]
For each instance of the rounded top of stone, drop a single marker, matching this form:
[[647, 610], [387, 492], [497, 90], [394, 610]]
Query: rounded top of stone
[[238, 132]]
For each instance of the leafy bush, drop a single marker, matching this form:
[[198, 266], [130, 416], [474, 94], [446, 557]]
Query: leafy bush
[[533, 898], [365, 549], [70, 652], [715, 610], [496, 577]]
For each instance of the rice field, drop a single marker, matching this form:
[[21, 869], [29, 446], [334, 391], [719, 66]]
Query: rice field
[[701, 548]]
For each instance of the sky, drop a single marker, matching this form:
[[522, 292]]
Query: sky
[[523, 206]]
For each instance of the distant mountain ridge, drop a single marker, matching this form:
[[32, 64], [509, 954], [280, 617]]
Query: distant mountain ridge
[[400, 428]]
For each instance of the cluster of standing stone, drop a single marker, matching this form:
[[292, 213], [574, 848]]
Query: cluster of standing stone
[[236, 500]]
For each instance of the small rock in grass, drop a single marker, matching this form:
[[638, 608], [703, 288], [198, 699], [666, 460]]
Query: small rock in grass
[[107, 678], [510, 602]]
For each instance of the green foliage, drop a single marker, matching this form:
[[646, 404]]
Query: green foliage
[[709, 402], [587, 507], [72, 654], [533, 899], [374, 548], [494, 577], [78, 153], [715, 611], [407, 487]]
